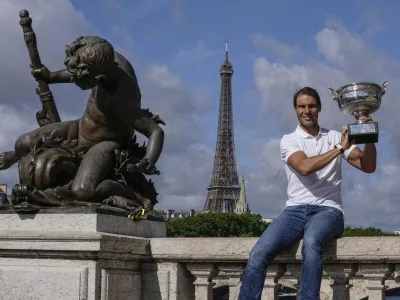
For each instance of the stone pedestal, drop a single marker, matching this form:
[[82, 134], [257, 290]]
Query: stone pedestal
[[83, 253]]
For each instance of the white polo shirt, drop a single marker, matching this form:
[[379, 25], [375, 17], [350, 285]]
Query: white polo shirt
[[322, 187]]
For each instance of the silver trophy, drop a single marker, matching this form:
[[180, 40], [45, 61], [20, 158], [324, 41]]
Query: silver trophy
[[360, 99]]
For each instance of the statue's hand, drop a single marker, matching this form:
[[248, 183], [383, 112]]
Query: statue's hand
[[7, 159], [144, 166], [42, 73]]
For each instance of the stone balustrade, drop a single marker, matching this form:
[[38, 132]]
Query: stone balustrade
[[354, 268], [89, 254]]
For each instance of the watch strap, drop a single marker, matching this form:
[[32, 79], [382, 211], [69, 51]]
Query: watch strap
[[340, 148]]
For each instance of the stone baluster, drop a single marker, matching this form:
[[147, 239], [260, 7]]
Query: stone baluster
[[340, 275], [233, 272], [271, 285], [295, 270], [203, 273], [376, 274]]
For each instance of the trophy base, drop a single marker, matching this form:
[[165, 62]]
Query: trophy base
[[363, 133]]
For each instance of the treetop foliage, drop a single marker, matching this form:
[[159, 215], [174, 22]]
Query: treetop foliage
[[239, 225]]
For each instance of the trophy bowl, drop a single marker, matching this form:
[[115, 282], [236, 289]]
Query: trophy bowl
[[360, 99]]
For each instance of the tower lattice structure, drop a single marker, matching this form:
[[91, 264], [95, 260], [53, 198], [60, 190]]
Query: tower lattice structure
[[224, 189]]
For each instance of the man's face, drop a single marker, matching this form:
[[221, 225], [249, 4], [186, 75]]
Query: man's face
[[307, 110]]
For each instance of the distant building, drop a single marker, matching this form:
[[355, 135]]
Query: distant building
[[172, 214], [268, 220], [4, 198], [242, 206]]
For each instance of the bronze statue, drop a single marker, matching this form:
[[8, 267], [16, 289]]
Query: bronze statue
[[94, 159]]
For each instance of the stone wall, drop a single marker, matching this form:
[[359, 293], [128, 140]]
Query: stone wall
[[354, 268], [86, 254]]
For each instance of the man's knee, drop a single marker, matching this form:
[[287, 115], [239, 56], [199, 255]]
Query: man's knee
[[259, 257], [312, 244]]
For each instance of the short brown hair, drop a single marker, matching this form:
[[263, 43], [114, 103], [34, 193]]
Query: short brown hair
[[309, 92]]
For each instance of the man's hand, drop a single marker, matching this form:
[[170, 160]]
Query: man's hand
[[346, 144], [144, 166], [366, 118], [41, 74]]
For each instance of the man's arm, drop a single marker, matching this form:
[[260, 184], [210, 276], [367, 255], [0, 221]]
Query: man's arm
[[364, 160], [299, 161], [308, 165]]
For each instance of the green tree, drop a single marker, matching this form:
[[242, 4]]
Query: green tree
[[157, 213], [369, 231], [217, 225], [239, 225]]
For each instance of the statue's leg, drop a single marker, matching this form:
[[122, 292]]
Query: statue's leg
[[96, 165], [23, 145], [67, 130], [111, 188], [115, 194]]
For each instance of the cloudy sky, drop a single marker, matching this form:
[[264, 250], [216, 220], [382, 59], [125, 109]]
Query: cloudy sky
[[177, 46]]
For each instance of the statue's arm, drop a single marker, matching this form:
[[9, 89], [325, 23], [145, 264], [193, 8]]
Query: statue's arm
[[62, 76], [138, 120]]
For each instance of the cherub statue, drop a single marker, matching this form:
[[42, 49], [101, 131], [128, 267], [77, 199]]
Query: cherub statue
[[112, 115]]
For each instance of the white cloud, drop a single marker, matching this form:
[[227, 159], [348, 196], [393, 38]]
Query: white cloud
[[199, 52], [56, 23], [336, 44], [274, 46], [278, 82], [161, 76], [126, 43], [390, 170], [186, 162], [270, 154]]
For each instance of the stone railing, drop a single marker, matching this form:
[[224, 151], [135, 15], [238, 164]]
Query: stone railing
[[197, 268], [87, 254]]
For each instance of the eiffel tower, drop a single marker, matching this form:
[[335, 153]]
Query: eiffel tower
[[224, 189]]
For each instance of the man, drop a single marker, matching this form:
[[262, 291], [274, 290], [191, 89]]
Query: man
[[111, 117], [312, 159]]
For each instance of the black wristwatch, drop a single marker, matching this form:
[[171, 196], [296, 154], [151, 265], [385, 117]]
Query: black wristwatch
[[340, 148]]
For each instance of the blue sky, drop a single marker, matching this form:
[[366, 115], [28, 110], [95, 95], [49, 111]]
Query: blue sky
[[177, 46]]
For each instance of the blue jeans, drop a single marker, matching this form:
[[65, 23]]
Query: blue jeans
[[316, 225]]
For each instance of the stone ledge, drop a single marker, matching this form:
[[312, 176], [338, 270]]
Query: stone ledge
[[80, 245], [366, 249], [93, 218]]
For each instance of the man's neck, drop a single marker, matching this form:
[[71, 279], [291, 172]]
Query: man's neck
[[312, 130]]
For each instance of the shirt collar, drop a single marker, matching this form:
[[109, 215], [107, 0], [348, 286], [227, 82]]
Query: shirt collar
[[300, 131]]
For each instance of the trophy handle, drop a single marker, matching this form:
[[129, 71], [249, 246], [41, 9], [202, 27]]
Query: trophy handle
[[334, 95], [384, 87]]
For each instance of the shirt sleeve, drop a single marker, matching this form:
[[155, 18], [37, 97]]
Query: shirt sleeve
[[347, 152], [288, 146]]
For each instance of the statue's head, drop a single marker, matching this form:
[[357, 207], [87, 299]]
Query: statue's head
[[88, 59]]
